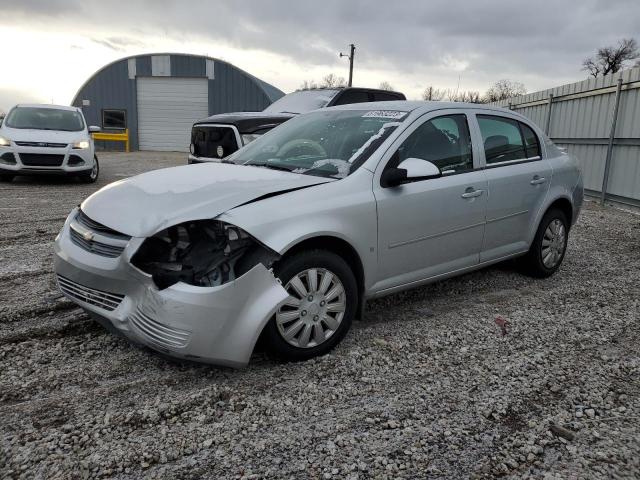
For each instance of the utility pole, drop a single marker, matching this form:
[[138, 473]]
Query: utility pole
[[350, 57]]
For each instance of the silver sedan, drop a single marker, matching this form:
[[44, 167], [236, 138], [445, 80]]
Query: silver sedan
[[288, 238]]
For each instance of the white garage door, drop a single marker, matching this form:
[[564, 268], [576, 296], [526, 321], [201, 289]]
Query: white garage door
[[167, 108]]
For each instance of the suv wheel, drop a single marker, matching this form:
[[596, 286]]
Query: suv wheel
[[323, 301], [549, 245], [92, 175]]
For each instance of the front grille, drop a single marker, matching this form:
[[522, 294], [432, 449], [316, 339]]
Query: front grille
[[41, 160], [84, 220], [98, 298], [159, 333], [93, 246], [213, 142], [8, 157], [42, 144]]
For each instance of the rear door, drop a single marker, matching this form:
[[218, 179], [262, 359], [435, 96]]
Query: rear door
[[518, 180]]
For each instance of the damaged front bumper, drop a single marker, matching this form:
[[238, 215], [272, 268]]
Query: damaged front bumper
[[217, 325]]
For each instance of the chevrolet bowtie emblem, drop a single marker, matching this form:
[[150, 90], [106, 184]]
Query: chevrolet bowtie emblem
[[88, 236]]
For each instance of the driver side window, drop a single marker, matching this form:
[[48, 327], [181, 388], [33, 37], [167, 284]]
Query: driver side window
[[444, 141]]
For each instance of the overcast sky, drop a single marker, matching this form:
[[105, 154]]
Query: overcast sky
[[50, 47]]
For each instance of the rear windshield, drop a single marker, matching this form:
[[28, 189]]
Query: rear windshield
[[302, 102], [45, 119]]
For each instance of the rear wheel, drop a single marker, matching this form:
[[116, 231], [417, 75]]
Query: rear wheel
[[549, 245], [92, 175], [323, 299], [6, 177]]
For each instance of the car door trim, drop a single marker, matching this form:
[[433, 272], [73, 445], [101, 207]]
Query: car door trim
[[435, 235], [508, 216], [512, 162], [440, 276]]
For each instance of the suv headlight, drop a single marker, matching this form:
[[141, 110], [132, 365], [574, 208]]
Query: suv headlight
[[4, 142], [250, 137], [81, 145]]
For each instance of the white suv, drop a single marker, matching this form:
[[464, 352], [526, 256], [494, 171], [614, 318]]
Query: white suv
[[47, 139]]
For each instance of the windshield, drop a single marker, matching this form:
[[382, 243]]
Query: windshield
[[329, 143], [45, 119], [302, 102]]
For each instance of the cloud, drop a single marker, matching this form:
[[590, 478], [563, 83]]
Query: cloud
[[12, 96], [541, 44]]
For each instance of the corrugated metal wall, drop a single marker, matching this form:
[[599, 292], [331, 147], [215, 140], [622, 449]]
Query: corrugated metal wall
[[580, 121], [230, 89]]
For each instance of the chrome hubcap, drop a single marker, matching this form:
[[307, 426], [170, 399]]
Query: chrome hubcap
[[314, 310], [554, 242]]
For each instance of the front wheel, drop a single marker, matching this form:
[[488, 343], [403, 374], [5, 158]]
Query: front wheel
[[92, 175], [323, 299], [549, 245]]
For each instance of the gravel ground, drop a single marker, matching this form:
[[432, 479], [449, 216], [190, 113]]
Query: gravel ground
[[425, 386]]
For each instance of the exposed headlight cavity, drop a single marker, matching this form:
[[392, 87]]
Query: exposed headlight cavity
[[204, 253]]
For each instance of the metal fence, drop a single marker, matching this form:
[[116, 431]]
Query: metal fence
[[598, 121]]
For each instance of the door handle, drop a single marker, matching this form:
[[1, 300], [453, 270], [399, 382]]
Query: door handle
[[469, 193], [537, 180]]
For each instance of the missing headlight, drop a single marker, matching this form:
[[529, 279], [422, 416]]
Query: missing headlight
[[204, 253]]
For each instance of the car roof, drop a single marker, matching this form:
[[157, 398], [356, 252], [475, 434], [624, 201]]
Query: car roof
[[48, 105], [419, 106]]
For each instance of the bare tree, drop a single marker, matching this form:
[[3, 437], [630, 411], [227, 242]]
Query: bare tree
[[470, 96], [385, 86], [433, 94], [503, 89], [308, 85], [612, 59], [333, 81]]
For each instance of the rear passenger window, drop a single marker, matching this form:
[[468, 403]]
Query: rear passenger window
[[502, 139], [531, 142], [352, 96]]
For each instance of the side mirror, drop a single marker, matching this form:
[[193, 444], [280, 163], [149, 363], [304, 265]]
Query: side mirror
[[94, 129], [420, 169], [409, 169]]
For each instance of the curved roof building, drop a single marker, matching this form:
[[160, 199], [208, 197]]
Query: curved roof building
[[157, 97]]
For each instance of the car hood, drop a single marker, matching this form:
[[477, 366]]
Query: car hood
[[145, 204], [53, 136]]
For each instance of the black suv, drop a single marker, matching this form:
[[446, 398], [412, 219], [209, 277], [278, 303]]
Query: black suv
[[220, 135]]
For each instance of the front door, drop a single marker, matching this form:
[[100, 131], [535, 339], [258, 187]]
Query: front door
[[431, 227]]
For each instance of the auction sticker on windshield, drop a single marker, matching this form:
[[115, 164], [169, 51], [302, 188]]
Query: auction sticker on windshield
[[385, 114]]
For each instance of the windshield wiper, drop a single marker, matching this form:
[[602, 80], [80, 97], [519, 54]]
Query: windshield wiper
[[270, 165]]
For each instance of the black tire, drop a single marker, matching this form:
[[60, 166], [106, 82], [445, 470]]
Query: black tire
[[533, 263], [89, 177], [285, 270], [6, 177]]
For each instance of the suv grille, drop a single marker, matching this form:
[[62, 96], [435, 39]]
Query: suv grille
[[97, 298], [41, 160], [42, 144], [213, 142]]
